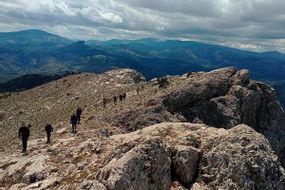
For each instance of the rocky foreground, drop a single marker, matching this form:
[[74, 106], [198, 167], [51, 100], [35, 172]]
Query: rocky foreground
[[215, 130]]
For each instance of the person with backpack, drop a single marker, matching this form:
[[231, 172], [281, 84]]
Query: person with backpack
[[120, 97], [78, 114], [115, 100], [48, 129], [24, 134], [104, 102], [124, 96], [73, 122]]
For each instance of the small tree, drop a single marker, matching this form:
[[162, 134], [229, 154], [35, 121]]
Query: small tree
[[162, 82]]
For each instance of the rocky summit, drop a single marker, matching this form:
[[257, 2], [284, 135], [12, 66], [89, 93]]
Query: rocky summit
[[198, 131]]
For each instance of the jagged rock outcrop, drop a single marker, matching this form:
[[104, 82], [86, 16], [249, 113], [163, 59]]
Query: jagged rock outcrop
[[223, 159], [163, 156], [221, 98]]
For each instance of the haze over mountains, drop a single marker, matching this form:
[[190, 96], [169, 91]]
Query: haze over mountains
[[36, 51]]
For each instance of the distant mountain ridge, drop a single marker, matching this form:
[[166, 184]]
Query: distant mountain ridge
[[36, 51], [39, 52], [31, 36]]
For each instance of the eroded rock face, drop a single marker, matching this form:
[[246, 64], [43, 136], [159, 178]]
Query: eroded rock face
[[223, 159], [221, 98], [143, 117], [27, 170], [2, 115], [144, 167], [239, 158], [185, 163], [208, 85]]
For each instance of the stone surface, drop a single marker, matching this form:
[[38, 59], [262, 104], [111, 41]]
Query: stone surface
[[91, 185], [37, 170], [185, 163], [239, 158], [144, 167]]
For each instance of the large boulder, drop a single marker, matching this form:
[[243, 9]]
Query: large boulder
[[225, 98], [144, 167], [200, 88], [185, 163], [28, 170], [239, 158]]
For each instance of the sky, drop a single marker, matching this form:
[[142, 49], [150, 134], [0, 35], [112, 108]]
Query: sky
[[257, 25]]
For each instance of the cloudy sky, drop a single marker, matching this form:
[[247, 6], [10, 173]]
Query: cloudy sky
[[257, 25]]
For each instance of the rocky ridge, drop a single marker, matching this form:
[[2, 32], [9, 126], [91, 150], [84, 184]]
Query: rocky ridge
[[218, 130]]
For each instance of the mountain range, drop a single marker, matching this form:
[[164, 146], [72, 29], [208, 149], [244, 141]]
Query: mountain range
[[36, 51]]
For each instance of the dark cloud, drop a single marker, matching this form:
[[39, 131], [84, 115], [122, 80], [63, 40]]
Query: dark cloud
[[252, 24]]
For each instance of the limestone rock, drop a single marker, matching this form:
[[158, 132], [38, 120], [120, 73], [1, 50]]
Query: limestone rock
[[33, 169], [241, 78], [91, 185], [231, 159], [213, 84], [141, 117], [222, 98], [225, 98], [144, 167], [185, 162], [2, 115], [197, 186], [240, 158], [37, 171], [62, 130]]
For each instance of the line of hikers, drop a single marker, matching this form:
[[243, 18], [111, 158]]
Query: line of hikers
[[121, 97], [24, 130]]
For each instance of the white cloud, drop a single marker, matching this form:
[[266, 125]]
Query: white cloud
[[111, 17], [250, 24]]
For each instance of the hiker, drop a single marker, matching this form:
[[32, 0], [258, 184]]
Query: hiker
[[104, 102], [73, 122], [124, 96], [189, 74], [115, 100], [121, 97], [48, 129], [24, 133], [78, 114]]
